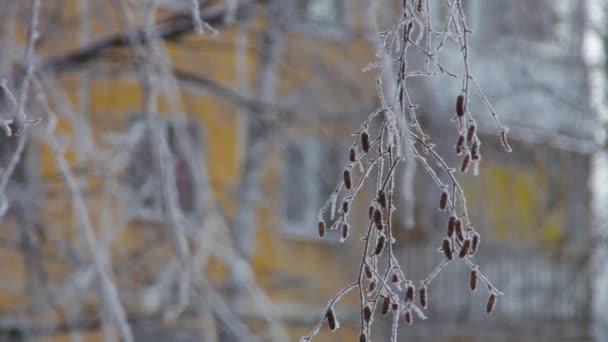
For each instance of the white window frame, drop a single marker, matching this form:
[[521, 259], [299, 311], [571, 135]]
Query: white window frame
[[311, 149]]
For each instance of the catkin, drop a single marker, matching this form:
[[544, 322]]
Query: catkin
[[471, 132], [386, 305], [465, 163], [447, 250], [409, 294], [378, 218], [475, 243], [382, 198], [321, 229], [443, 201], [458, 228], [451, 224], [368, 272], [352, 155], [365, 141], [345, 207], [491, 303], [408, 317], [465, 248], [380, 245], [460, 105], [395, 278], [422, 294], [347, 180], [459, 144], [473, 281], [345, 231], [331, 319], [475, 151], [362, 337], [367, 314]]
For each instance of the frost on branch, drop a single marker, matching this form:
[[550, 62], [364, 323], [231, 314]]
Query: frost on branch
[[388, 137]]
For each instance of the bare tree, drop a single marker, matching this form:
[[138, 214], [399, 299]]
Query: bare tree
[[163, 276]]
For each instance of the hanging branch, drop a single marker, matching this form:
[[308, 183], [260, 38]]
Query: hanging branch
[[381, 280]]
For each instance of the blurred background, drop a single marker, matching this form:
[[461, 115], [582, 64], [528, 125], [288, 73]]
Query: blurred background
[[171, 191]]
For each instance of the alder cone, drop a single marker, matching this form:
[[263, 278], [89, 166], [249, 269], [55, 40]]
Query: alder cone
[[321, 227], [367, 314], [460, 105], [491, 303], [447, 250], [423, 297], [331, 319], [386, 305], [443, 202], [365, 142]]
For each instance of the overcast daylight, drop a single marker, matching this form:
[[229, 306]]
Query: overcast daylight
[[303, 170]]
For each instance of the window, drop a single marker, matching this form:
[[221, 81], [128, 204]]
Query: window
[[310, 174], [183, 141], [324, 12]]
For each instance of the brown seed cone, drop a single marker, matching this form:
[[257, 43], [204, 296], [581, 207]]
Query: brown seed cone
[[386, 305], [380, 245], [347, 180], [395, 306], [475, 243], [409, 293], [458, 228], [367, 314], [471, 132], [372, 287], [475, 151], [368, 272], [491, 303], [443, 201], [365, 141], [408, 317], [459, 144], [382, 198], [465, 248], [331, 319], [321, 229], [422, 294], [465, 163], [473, 281], [447, 250], [395, 278], [378, 218], [460, 105], [345, 231], [451, 225]]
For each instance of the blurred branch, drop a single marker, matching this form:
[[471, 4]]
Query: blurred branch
[[172, 28]]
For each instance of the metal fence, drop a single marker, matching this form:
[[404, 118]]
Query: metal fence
[[543, 293]]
